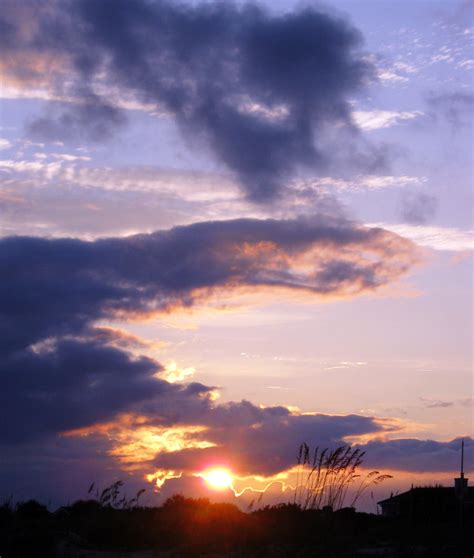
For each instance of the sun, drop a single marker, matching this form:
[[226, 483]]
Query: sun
[[218, 479]]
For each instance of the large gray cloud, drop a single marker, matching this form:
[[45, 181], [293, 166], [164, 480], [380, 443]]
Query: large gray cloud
[[269, 444], [57, 287], [59, 372], [75, 384], [266, 92], [254, 441]]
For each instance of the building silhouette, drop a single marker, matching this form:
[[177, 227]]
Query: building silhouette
[[432, 503]]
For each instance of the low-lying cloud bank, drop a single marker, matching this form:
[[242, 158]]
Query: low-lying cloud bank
[[420, 455]]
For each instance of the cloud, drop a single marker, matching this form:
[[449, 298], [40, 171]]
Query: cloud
[[436, 403], [69, 385], [377, 119], [68, 195], [92, 118], [188, 432], [456, 108], [264, 442], [467, 64], [442, 404], [360, 182], [466, 402], [266, 92], [123, 339], [57, 367], [417, 207], [72, 391], [4, 144], [389, 76], [173, 373], [419, 455], [437, 238], [60, 469], [185, 432], [70, 169], [124, 276]]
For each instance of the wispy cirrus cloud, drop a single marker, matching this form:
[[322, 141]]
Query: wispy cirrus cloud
[[4, 144], [436, 403], [360, 182], [449, 239], [418, 207], [66, 193], [443, 403], [455, 107], [378, 119]]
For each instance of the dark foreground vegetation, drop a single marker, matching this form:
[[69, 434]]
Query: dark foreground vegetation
[[189, 527]]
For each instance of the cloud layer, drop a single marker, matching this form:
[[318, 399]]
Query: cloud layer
[[273, 98], [63, 374], [266, 92], [53, 360], [58, 287]]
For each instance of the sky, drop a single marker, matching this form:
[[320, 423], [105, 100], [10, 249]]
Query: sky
[[230, 228]]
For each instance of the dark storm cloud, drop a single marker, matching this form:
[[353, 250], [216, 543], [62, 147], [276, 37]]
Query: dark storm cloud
[[264, 91], [59, 372]]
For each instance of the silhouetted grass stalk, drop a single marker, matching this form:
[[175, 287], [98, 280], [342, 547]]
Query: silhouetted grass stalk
[[110, 496], [323, 478]]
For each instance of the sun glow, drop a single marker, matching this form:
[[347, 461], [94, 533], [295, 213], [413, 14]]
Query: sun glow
[[223, 479], [218, 479]]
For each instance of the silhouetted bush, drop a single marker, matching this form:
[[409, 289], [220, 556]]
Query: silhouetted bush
[[31, 510], [197, 527]]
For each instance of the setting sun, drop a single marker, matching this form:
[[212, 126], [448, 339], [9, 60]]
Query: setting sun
[[218, 479]]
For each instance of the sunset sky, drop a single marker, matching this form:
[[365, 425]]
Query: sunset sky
[[230, 228]]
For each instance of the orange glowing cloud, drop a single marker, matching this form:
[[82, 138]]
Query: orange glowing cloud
[[122, 338], [172, 373], [133, 441], [159, 477]]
